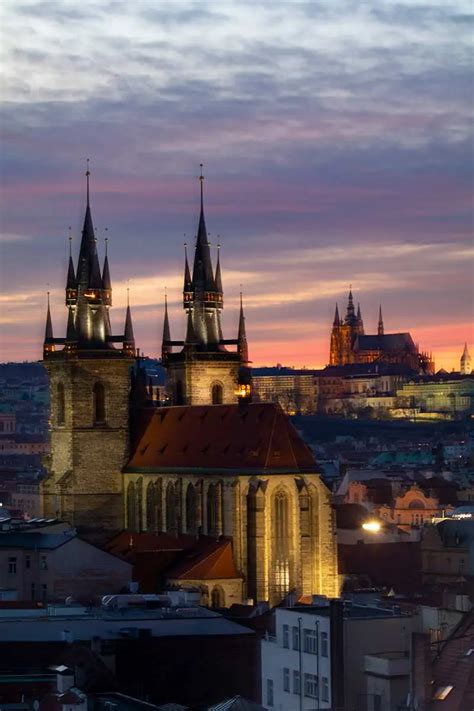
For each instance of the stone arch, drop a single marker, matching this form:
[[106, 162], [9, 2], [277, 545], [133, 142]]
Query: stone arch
[[172, 508], [153, 506], [217, 597], [416, 504], [61, 404], [132, 522], [99, 410], [217, 393], [191, 509]]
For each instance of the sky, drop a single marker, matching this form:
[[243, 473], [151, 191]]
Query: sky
[[336, 139]]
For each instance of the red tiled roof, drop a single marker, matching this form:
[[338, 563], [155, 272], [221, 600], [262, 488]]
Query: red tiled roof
[[258, 436], [215, 562]]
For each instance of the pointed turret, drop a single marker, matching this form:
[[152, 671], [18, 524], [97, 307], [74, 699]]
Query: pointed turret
[[337, 320], [48, 346], [380, 327], [218, 278], [242, 345], [71, 335], [190, 339], [188, 294], [128, 337], [360, 323], [165, 344], [106, 280]]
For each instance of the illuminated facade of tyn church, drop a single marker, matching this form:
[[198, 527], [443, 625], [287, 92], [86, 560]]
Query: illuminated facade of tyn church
[[350, 344], [212, 464]]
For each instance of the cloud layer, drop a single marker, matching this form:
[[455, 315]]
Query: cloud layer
[[336, 149]]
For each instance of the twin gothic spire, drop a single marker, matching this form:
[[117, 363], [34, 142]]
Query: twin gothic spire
[[89, 298]]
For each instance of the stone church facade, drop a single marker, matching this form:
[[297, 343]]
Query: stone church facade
[[213, 464]]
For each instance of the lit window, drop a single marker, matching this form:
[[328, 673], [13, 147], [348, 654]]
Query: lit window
[[442, 692], [311, 685], [286, 679]]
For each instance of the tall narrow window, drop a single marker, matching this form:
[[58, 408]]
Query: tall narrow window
[[191, 509], [281, 545], [217, 394], [99, 404], [217, 597], [172, 513], [132, 522], [153, 506], [61, 406], [212, 510]]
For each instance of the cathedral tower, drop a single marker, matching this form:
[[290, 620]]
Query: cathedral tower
[[204, 372], [465, 368], [89, 380]]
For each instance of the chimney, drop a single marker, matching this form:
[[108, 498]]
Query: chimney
[[64, 678]]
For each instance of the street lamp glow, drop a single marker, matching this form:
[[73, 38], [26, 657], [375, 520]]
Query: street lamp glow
[[372, 526]]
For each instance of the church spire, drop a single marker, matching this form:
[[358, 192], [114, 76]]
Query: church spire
[[337, 320], [165, 345], [465, 368], [203, 278], [128, 337], [48, 346], [360, 323], [242, 345], [106, 280], [380, 328], [351, 318], [88, 269]]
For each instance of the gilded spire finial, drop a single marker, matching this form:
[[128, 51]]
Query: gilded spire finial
[[87, 179], [128, 296], [70, 240], [106, 242]]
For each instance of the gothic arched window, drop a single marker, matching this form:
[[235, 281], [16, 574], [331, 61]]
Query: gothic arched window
[[191, 509], [153, 506], [217, 392], [99, 404], [172, 508], [61, 404], [132, 507], [213, 522], [281, 544]]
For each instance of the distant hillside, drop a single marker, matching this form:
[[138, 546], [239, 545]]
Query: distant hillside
[[22, 371]]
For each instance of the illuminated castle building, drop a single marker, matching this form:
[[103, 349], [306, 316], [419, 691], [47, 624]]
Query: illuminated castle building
[[211, 465], [350, 343]]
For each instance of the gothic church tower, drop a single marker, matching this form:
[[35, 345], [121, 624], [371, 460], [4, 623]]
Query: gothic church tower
[[344, 332], [89, 379], [204, 372]]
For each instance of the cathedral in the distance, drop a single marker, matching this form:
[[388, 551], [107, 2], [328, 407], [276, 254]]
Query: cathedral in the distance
[[350, 344], [213, 466]]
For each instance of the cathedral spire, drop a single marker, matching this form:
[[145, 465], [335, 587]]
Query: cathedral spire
[[106, 280], [380, 328], [242, 345], [165, 345], [203, 278], [88, 269], [351, 318], [337, 320], [218, 279], [360, 323], [465, 368], [187, 273], [71, 283]]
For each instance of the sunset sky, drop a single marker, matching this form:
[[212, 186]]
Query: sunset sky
[[336, 139]]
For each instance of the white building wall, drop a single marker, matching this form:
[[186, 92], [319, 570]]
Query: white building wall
[[282, 662]]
